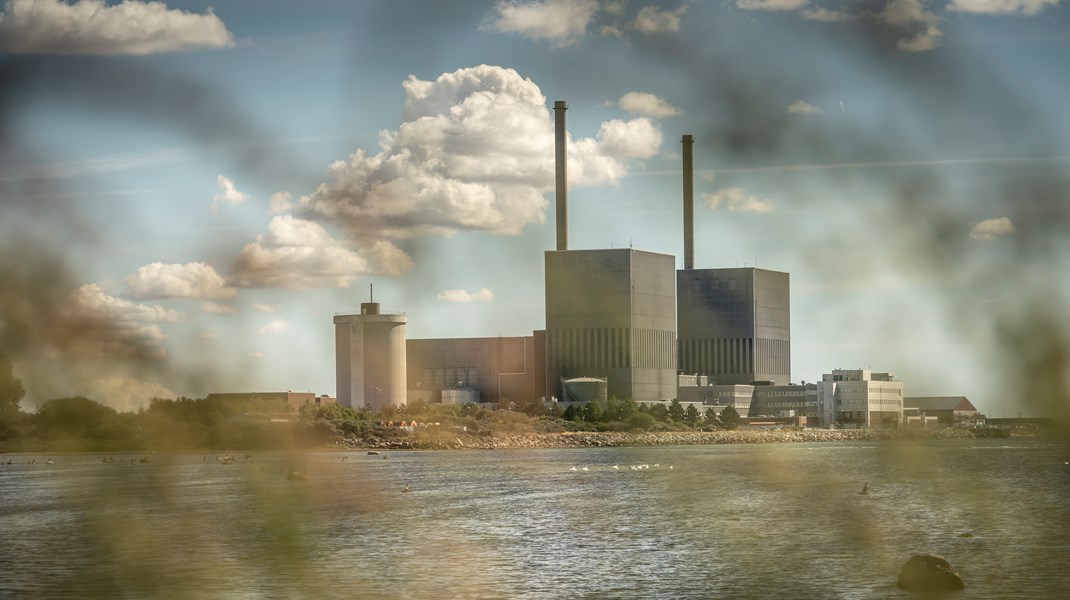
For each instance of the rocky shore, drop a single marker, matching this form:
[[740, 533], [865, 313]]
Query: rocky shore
[[442, 440]]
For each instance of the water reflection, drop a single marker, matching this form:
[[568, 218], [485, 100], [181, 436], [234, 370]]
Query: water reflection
[[725, 521]]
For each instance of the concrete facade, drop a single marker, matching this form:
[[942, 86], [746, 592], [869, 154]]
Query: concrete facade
[[370, 362], [499, 367], [786, 400], [612, 314], [860, 399], [734, 325]]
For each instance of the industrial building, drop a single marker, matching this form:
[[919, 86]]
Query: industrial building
[[488, 368], [622, 318], [948, 410], [733, 325], [370, 358], [860, 399], [611, 314]]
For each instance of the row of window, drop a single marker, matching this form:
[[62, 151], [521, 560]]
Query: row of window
[[451, 377]]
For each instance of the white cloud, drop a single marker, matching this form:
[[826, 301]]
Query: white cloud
[[281, 202], [475, 152], [913, 14], [276, 325], [215, 308], [647, 104], [561, 21], [301, 254], [266, 308], [92, 27], [227, 193], [191, 280], [801, 107], [825, 15], [91, 300], [771, 5], [990, 229], [736, 199], [638, 138], [257, 355], [210, 336], [1001, 7], [651, 20], [124, 394], [483, 295]]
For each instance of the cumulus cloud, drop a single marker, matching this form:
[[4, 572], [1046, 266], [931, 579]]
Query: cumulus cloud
[[191, 280], [650, 105], [1001, 7], [771, 5], [913, 15], [560, 21], [801, 107], [117, 327], [93, 27], [281, 202], [652, 20], [214, 308], [638, 138], [276, 325], [736, 199], [475, 152], [483, 295], [990, 229], [226, 193], [124, 394], [296, 253]]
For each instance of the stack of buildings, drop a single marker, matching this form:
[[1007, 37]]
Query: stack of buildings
[[619, 322]]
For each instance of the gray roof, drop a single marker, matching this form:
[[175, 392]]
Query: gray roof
[[954, 403]]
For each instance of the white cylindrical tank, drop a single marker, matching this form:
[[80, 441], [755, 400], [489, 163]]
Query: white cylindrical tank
[[370, 359]]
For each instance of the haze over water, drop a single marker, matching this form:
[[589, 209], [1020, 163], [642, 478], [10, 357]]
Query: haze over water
[[736, 521]]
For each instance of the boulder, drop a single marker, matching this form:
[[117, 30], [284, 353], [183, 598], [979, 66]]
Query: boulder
[[929, 573]]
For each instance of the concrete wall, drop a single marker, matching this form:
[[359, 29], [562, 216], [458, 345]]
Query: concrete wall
[[735, 324], [495, 367], [612, 314]]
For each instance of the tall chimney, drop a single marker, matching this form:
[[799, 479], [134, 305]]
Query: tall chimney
[[561, 161], [689, 203]]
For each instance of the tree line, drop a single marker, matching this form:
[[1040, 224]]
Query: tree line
[[81, 424]]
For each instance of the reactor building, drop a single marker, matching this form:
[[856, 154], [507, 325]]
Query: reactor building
[[733, 325], [370, 358]]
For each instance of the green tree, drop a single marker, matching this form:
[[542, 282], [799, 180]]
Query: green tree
[[595, 412], [641, 420], [11, 390], [730, 418], [659, 412], [676, 410], [691, 415]]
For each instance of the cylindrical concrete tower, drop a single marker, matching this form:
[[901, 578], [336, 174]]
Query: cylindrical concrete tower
[[370, 358], [561, 162], [689, 203]]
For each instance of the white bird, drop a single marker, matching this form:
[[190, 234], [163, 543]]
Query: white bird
[[656, 465], [585, 468], [616, 468], [572, 469]]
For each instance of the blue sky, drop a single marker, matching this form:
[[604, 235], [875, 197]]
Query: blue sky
[[192, 190]]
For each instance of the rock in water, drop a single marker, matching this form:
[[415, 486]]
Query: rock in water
[[929, 573]]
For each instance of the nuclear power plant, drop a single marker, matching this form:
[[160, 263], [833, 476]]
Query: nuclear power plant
[[619, 323]]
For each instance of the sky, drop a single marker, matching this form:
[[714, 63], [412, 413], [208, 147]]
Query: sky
[[190, 191]]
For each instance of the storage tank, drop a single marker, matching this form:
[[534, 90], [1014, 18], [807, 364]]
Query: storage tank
[[583, 389]]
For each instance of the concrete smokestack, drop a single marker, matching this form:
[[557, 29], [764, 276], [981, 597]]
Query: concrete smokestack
[[561, 161], [689, 203]]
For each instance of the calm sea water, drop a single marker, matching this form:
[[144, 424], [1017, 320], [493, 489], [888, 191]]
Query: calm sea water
[[736, 521]]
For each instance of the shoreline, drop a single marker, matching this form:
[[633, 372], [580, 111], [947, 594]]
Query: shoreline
[[459, 441]]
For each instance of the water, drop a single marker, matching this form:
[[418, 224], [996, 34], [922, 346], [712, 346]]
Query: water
[[740, 521]]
